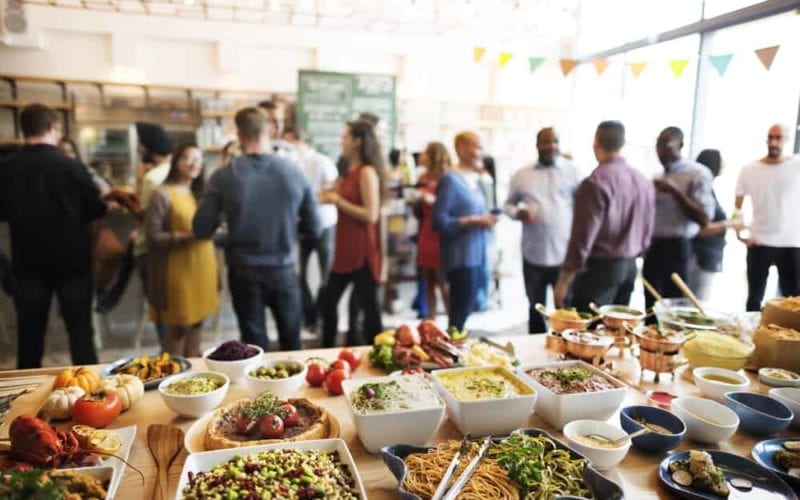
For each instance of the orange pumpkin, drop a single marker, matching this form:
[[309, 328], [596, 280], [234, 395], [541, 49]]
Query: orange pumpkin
[[85, 378]]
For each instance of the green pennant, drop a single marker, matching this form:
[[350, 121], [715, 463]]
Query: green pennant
[[535, 62], [720, 63]]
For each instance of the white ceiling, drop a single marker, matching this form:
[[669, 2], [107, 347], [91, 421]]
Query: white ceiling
[[486, 21]]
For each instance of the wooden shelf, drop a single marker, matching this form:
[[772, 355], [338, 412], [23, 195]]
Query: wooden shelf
[[8, 103], [227, 113]]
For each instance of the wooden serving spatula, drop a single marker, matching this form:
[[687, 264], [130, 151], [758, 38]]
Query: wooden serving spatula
[[165, 442]]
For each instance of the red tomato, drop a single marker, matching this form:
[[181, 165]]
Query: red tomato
[[243, 424], [352, 357], [271, 427], [317, 371], [341, 364], [333, 382], [97, 409], [290, 415]]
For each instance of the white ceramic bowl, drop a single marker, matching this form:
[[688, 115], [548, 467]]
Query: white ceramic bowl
[[194, 405], [233, 369], [790, 396], [601, 458], [281, 387], [714, 389], [706, 421], [487, 416], [558, 409], [765, 378], [413, 426]]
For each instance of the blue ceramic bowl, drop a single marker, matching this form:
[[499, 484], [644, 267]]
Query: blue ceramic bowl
[[759, 414], [653, 442]]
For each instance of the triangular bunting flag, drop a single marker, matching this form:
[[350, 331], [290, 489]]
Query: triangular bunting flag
[[535, 62], [567, 65], [504, 58], [767, 55], [678, 65], [637, 68], [720, 63], [600, 65], [477, 53]]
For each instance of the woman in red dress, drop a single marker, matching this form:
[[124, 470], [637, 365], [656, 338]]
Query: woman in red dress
[[357, 256], [436, 161]]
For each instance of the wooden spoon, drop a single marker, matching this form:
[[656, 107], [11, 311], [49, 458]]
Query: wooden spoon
[[165, 442], [650, 288], [685, 290]]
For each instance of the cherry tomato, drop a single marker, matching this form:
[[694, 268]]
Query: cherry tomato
[[271, 427], [243, 424], [341, 364], [333, 382], [352, 357], [317, 371], [97, 409], [290, 415]]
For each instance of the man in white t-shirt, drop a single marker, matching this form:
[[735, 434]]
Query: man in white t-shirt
[[321, 173], [773, 185]]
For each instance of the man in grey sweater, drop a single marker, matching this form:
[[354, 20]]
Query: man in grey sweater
[[262, 197]]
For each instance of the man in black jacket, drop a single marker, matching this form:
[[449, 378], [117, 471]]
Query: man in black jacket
[[49, 201]]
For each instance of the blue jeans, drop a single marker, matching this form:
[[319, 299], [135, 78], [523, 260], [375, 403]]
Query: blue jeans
[[464, 284], [537, 279], [277, 287], [324, 248]]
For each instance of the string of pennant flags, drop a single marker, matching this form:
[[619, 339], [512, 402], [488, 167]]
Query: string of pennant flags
[[719, 62]]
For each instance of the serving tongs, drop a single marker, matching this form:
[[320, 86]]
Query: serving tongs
[[473, 464], [463, 450]]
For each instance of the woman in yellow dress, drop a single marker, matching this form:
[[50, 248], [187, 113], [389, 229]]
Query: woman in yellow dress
[[181, 270]]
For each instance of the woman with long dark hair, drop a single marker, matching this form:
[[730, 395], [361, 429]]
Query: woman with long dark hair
[[357, 257], [181, 270]]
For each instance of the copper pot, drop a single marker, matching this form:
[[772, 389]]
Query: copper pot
[[617, 317], [554, 342], [669, 344], [586, 345], [559, 325], [658, 362]]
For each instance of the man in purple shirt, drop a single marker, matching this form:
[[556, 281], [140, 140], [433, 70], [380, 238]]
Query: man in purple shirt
[[611, 226]]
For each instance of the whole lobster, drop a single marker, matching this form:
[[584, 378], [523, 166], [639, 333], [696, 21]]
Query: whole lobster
[[36, 442]]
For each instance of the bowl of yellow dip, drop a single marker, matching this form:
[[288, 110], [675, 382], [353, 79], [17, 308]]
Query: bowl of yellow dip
[[193, 394], [485, 400], [711, 348]]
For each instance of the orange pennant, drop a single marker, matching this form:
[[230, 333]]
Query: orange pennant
[[637, 68], [767, 55], [678, 65], [567, 65], [600, 65], [504, 58], [477, 53]]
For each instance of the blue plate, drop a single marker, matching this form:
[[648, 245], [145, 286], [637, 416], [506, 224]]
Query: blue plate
[[762, 454], [766, 484], [113, 369], [600, 486]]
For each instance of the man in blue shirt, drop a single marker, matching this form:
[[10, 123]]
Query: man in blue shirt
[[261, 196], [542, 197]]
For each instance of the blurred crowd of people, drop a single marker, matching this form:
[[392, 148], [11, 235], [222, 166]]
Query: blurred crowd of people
[[275, 201]]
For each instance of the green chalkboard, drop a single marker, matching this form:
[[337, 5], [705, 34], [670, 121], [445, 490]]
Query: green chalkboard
[[325, 101]]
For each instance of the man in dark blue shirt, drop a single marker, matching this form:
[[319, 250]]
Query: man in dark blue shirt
[[261, 196]]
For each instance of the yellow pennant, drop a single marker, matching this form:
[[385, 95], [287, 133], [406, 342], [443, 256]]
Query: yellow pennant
[[504, 58], [767, 55], [678, 65], [600, 65], [477, 53], [567, 65], [637, 68]]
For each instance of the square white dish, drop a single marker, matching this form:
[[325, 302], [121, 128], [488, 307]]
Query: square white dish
[[411, 426], [206, 460], [559, 409], [498, 416]]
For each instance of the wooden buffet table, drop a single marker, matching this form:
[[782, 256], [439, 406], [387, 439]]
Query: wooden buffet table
[[636, 474]]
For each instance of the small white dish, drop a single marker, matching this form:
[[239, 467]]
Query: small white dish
[[706, 421], [716, 389], [233, 369], [778, 377], [194, 405], [790, 396], [601, 458], [281, 387]]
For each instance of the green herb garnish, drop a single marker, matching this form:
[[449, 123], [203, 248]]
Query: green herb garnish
[[30, 485], [568, 376]]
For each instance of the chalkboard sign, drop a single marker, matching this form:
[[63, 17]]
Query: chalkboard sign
[[327, 100]]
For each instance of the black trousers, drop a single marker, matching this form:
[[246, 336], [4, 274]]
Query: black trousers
[[32, 301], [759, 259], [664, 257], [537, 279], [605, 281], [366, 290]]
